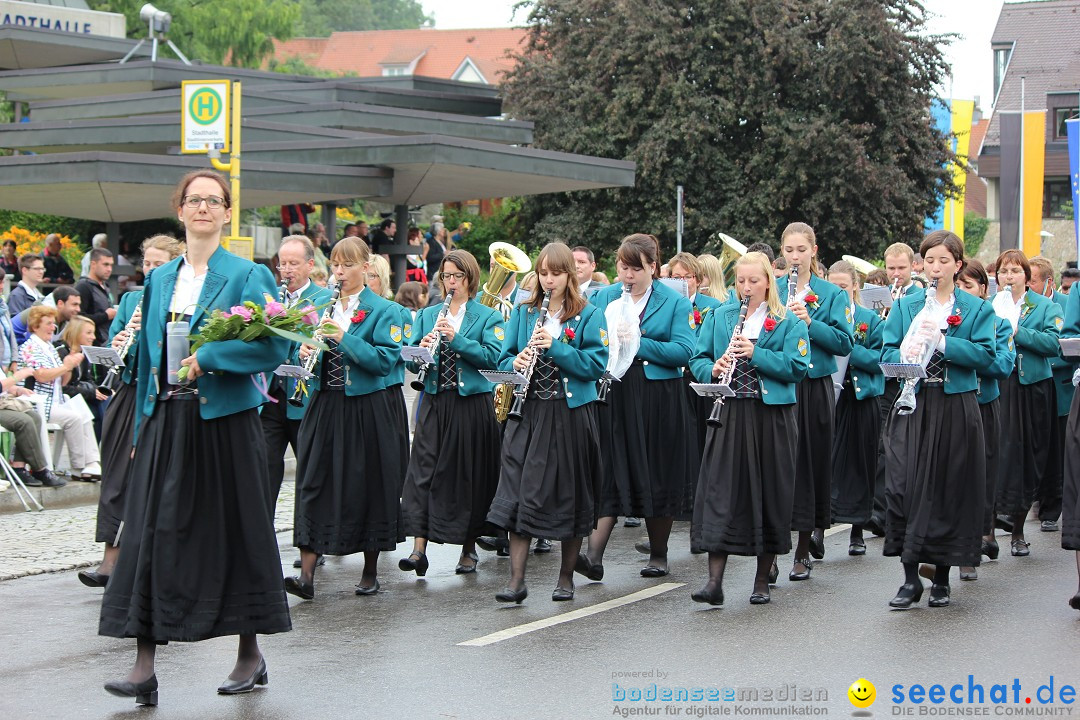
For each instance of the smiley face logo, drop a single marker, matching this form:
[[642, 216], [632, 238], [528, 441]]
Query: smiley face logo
[[862, 693]]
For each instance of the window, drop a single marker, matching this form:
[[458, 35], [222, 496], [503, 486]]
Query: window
[[395, 70], [1060, 116], [1057, 197], [1001, 63]]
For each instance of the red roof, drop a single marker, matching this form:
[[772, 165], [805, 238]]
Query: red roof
[[438, 53]]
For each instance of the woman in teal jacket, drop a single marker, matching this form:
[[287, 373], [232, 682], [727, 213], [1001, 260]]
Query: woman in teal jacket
[[745, 488], [1070, 492], [858, 416], [348, 463], [935, 456], [551, 455], [454, 466], [1029, 451], [650, 448], [198, 556], [826, 311]]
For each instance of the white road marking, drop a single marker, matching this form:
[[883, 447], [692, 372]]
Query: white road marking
[[514, 632]]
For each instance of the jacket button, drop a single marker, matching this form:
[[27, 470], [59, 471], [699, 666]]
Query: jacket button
[[855, 378], [764, 391], [153, 371], [644, 362], [569, 394], [461, 384], [348, 382], [159, 343], [811, 366], [202, 401], [858, 389]]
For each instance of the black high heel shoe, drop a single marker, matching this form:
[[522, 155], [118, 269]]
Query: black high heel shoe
[[805, 574], [939, 596], [420, 565], [907, 596], [593, 571], [990, 549], [295, 586], [92, 578], [710, 597], [817, 546], [1074, 601], [463, 569], [514, 596], [235, 687], [774, 573], [145, 692]]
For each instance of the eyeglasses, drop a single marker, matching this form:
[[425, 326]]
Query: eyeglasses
[[682, 277], [212, 201], [459, 276], [37, 268], [371, 276]]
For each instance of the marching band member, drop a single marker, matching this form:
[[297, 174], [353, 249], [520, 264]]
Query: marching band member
[[585, 266], [745, 488], [646, 431], [935, 455], [1070, 508], [1029, 452], [551, 455], [974, 280], [454, 466], [116, 432], [712, 278], [854, 455], [347, 492], [198, 557], [826, 311]]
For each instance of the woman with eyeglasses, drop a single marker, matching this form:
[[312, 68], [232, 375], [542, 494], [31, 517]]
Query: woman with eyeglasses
[[348, 462], [454, 466], [198, 555]]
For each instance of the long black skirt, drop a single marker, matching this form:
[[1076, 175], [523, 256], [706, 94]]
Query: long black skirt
[[551, 470], [936, 483], [1070, 495], [746, 484], [400, 414], [198, 557], [348, 475], [1027, 454], [814, 403], [991, 419], [116, 443], [649, 444], [854, 457], [454, 468]]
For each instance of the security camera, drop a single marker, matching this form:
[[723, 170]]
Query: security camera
[[158, 20]]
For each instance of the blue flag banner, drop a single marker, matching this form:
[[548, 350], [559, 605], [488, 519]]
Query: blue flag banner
[[1073, 129], [941, 117]]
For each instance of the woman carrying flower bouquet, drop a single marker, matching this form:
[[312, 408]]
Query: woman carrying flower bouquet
[[348, 462], [934, 454], [858, 417], [198, 557], [745, 487]]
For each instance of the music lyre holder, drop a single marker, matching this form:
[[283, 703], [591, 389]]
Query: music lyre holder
[[499, 377], [712, 390], [903, 371]]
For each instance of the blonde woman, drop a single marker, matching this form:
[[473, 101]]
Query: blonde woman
[[377, 277], [712, 281]]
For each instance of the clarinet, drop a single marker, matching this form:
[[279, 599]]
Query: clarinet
[[421, 377], [792, 282], [522, 390], [283, 291], [729, 374], [297, 398], [112, 378]]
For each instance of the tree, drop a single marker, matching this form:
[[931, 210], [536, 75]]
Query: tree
[[767, 111], [319, 18]]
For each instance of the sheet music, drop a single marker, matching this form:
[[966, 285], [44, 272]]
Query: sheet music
[[876, 297], [295, 371], [103, 356], [499, 377], [417, 354]]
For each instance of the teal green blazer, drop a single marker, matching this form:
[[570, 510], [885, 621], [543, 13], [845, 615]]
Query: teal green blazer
[[1036, 338], [397, 374], [227, 387], [864, 364], [831, 326], [124, 311], [667, 330], [1002, 366], [703, 305], [477, 344], [781, 355], [317, 297], [581, 361], [969, 346], [1063, 370]]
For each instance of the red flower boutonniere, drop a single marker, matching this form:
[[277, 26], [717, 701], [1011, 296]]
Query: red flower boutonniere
[[954, 320], [861, 330], [359, 316], [769, 325], [697, 316], [568, 335], [812, 300]]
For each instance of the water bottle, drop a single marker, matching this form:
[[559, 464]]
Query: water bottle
[[177, 348]]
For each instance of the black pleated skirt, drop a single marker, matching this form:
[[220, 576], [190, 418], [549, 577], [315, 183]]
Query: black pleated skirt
[[814, 404], [400, 415], [198, 557], [854, 457], [551, 470], [348, 475], [116, 442], [453, 470], [991, 419], [1028, 442], [1070, 508], [649, 443], [747, 482], [936, 480]]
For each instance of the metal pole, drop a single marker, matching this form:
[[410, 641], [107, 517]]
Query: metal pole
[[233, 166], [1020, 232], [398, 263], [679, 219]]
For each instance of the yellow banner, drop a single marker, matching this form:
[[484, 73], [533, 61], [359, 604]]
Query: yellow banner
[[962, 110], [1034, 154]]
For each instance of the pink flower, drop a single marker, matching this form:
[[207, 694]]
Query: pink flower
[[274, 309], [310, 316], [242, 312]]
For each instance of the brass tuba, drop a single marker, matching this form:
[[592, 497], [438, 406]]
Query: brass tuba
[[507, 261], [863, 267], [730, 252]]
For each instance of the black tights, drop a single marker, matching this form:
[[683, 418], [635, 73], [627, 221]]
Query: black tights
[[718, 564]]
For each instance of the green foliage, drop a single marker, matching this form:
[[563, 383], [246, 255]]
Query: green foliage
[[296, 66], [503, 225], [79, 230], [975, 227], [319, 18], [767, 111]]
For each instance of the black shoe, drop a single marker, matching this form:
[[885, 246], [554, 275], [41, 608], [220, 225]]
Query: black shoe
[[462, 568], [939, 596], [145, 692], [875, 526], [235, 687], [644, 547], [969, 573], [562, 594], [420, 564], [990, 549], [1074, 601], [804, 575], [542, 546], [1049, 526], [299, 588], [368, 590], [92, 578], [857, 547], [817, 546], [1003, 522], [710, 597], [632, 522], [652, 571], [514, 596], [319, 562], [503, 551], [491, 543], [907, 596], [1021, 548], [774, 573], [48, 479], [27, 479], [760, 598], [588, 569]]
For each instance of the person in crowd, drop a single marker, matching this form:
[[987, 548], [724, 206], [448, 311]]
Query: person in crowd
[[100, 240], [417, 262], [378, 277], [9, 344], [19, 417], [83, 380], [26, 293], [382, 237], [437, 246], [585, 264], [413, 297], [68, 304], [97, 299], [877, 277], [9, 260], [779, 266], [1068, 277], [763, 248], [57, 270], [712, 277], [600, 279]]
